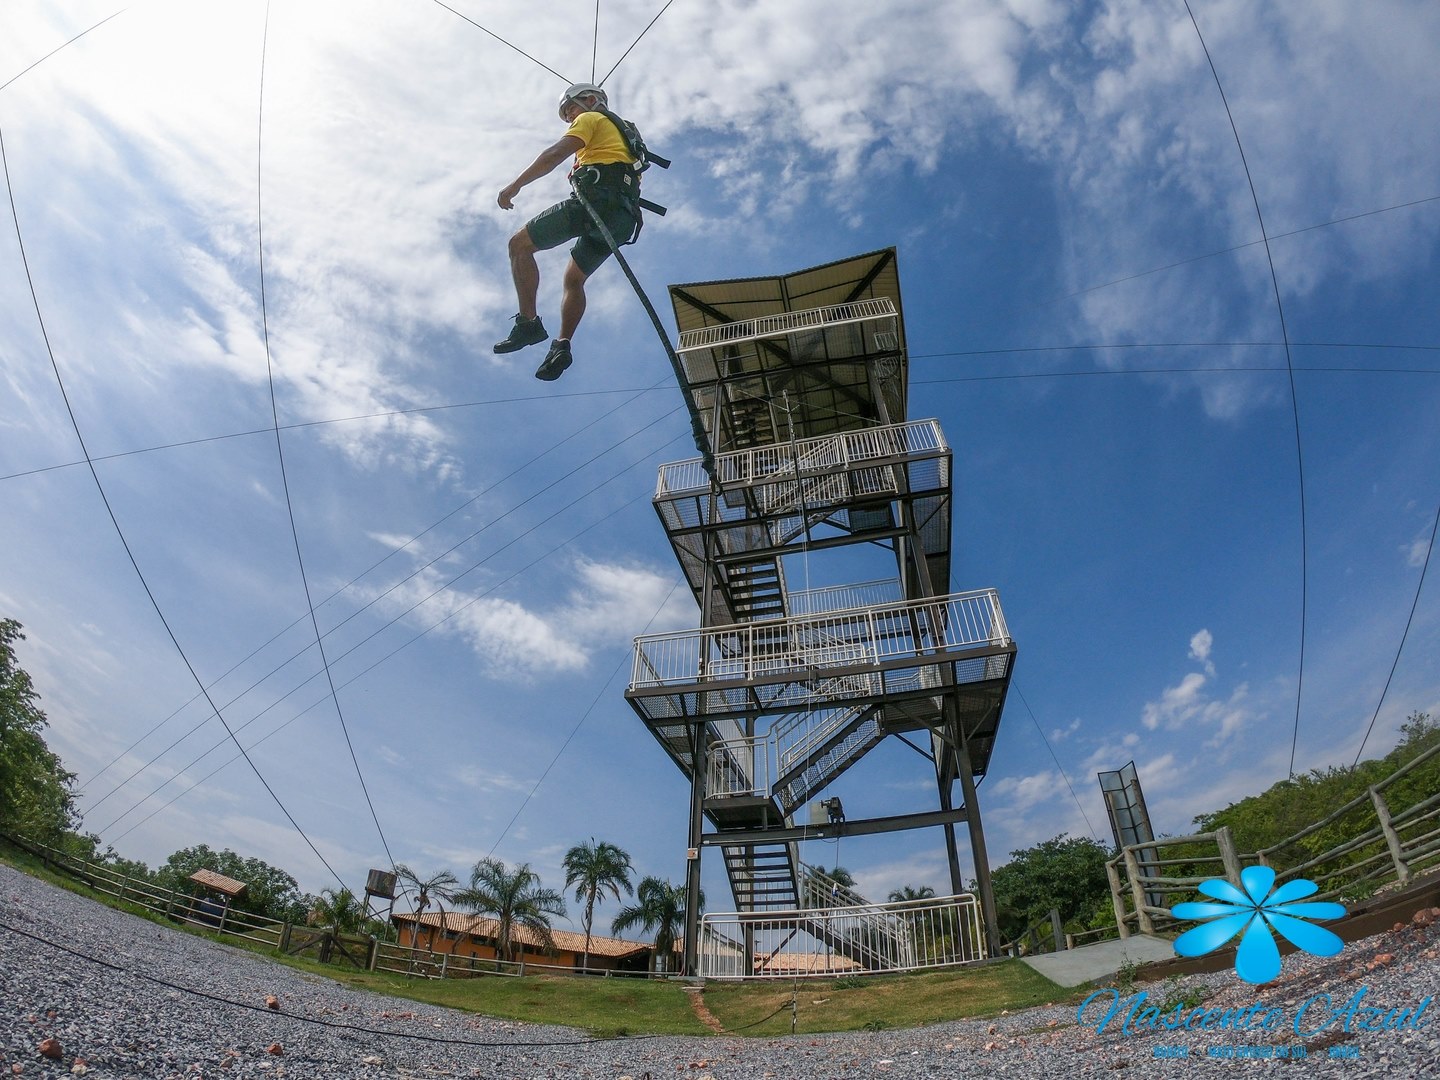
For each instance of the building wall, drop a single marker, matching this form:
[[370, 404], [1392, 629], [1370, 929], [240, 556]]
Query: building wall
[[468, 945]]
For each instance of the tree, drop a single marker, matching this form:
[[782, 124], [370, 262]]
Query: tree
[[35, 790], [1066, 873], [339, 908], [592, 869], [270, 892], [513, 898], [659, 907], [910, 892], [440, 885]]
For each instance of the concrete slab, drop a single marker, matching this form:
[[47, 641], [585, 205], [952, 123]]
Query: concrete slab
[[1101, 960]]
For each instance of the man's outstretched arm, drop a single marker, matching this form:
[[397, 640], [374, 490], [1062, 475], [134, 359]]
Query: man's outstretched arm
[[566, 148]]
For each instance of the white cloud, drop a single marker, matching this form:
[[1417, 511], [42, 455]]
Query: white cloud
[[1019, 794], [1200, 645], [1416, 552]]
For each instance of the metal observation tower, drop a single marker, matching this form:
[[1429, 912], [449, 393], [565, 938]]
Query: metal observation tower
[[819, 552]]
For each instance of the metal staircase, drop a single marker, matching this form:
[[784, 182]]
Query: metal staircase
[[763, 877]]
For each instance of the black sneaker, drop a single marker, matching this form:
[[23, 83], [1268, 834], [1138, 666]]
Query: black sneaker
[[555, 363], [524, 332]]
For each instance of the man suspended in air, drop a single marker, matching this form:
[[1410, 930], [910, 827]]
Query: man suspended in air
[[607, 172]]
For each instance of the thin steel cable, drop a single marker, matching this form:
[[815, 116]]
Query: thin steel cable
[[1228, 251], [619, 664], [1213, 370], [119, 532], [57, 49], [301, 1017], [502, 41], [395, 651], [391, 622], [595, 42], [384, 414], [1429, 550], [626, 53], [1294, 397], [386, 625], [1078, 805], [279, 442], [349, 584]]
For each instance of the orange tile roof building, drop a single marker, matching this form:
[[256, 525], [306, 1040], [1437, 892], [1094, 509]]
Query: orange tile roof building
[[463, 935]]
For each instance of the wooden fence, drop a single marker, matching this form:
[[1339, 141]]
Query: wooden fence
[[322, 943], [1385, 840]]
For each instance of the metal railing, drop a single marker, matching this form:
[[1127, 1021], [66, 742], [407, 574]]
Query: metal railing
[[842, 597], [781, 647], [868, 939], [779, 463], [786, 322]]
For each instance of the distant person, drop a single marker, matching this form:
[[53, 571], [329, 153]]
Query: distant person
[[605, 171]]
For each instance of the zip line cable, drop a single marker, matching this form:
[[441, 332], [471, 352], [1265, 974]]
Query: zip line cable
[[399, 648], [1078, 805], [1429, 550], [1240, 369], [697, 427], [1227, 251], [502, 41], [279, 442], [109, 510], [626, 53], [301, 1017], [514, 540], [595, 42], [1211, 370], [55, 50], [619, 664], [392, 621], [1294, 397], [354, 580]]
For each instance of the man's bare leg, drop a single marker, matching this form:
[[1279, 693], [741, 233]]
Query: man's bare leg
[[524, 271], [572, 300]]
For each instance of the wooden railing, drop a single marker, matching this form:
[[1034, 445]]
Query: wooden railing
[[1384, 843]]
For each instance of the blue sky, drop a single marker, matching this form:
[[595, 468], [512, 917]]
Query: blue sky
[[1090, 316]]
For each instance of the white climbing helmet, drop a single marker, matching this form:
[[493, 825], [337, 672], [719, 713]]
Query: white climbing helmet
[[579, 90]]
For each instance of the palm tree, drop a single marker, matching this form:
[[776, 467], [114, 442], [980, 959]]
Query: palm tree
[[594, 869], [659, 907], [909, 892], [338, 908], [512, 897], [441, 886]]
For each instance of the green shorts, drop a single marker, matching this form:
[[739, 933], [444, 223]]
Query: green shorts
[[568, 220]]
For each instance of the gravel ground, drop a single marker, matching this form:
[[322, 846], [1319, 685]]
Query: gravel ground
[[123, 1023]]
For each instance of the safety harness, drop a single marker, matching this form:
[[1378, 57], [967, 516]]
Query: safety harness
[[620, 178]]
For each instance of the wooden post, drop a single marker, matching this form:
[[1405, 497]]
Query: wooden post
[[1392, 838], [1057, 930], [374, 953], [170, 904], [1132, 867], [285, 936], [1225, 840], [1117, 897]]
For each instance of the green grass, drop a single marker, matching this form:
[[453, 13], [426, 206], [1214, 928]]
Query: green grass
[[637, 1006], [878, 1002]]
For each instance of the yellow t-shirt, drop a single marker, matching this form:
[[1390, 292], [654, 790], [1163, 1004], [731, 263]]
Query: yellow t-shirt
[[603, 144]]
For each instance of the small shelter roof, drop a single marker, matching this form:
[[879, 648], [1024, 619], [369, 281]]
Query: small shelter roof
[[219, 882]]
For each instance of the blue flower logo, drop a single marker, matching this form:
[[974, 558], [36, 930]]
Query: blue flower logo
[[1257, 912]]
